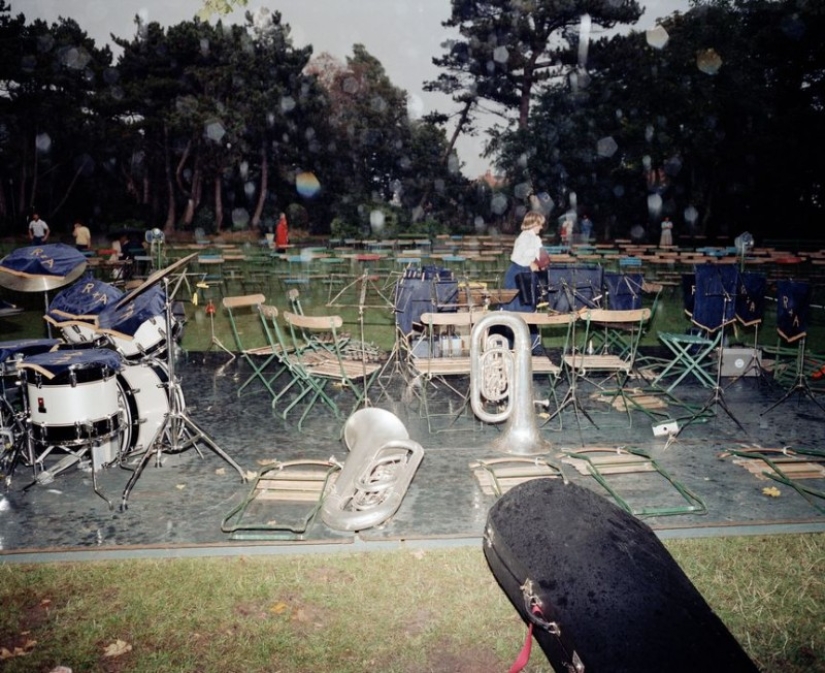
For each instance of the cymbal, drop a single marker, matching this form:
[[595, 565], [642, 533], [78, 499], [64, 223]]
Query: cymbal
[[153, 279], [38, 278]]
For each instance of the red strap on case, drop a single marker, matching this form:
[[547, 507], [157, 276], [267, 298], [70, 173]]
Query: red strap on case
[[524, 656]]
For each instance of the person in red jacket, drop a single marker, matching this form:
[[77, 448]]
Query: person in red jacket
[[281, 234]]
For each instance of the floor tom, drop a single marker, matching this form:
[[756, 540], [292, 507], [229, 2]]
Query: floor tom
[[144, 394]]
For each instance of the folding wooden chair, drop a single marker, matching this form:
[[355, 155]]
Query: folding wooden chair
[[240, 309], [550, 326], [322, 362], [439, 355], [286, 355], [616, 363]]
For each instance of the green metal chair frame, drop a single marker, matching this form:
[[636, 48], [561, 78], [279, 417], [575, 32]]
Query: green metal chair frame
[[598, 467], [322, 362], [287, 357], [259, 358]]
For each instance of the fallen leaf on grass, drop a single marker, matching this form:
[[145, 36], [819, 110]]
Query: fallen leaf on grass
[[117, 648], [279, 608], [180, 487], [220, 470], [28, 646], [771, 491]]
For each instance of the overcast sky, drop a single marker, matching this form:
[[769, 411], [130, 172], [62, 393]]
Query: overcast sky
[[403, 34]]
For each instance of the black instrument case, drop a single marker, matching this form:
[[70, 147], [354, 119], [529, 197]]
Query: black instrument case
[[602, 591]]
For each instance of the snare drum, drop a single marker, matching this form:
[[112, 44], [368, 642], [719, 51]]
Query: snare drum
[[144, 395], [72, 396]]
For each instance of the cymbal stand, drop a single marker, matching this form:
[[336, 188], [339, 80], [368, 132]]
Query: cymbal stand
[[800, 386], [179, 431]]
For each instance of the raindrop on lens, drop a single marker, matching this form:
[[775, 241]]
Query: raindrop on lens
[[307, 184], [657, 37], [654, 205], [498, 204]]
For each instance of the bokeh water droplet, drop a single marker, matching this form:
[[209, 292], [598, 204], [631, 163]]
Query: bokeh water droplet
[[307, 184]]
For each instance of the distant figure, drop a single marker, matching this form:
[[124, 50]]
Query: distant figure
[[566, 232], [666, 239], [131, 246], [281, 234], [38, 230], [587, 229], [82, 236]]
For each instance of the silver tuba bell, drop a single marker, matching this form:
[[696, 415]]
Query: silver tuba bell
[[374, 479], [499, 375]]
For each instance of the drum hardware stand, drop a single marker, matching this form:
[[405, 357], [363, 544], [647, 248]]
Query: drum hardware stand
[[717, 397], [215, 341], [800, 386], [45, 476], [179, 431]]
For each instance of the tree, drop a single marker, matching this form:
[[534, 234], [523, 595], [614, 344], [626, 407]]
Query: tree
[[706, 121], [380, 155], [50, 122]]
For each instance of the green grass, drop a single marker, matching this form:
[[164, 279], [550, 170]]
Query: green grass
[[397, 611]]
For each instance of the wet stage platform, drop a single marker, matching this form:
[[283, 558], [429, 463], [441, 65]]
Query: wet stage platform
[[179, 507]]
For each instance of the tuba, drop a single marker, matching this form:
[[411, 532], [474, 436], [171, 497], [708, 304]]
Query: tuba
[[498, 375], [374, 479]]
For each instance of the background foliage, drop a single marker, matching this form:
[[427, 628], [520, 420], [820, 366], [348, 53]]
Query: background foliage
[[715, 119]]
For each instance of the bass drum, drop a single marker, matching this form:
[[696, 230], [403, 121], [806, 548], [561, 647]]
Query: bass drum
[[144, 394]]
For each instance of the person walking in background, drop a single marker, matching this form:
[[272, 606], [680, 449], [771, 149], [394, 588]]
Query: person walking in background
[[38, 230], [666, 239], [566, 232], [82, 236], [281, 234], [587, 229]]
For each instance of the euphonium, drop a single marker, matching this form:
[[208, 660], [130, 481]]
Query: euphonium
[[497, 373], [381, 464]]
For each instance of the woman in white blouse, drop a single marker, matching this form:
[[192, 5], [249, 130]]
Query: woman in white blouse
[[528, 255]]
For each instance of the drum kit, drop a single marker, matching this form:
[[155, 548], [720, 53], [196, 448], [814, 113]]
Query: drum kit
[[104, 393]]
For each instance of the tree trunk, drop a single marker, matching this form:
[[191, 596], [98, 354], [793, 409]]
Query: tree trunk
[[169, 226], [255, 222], [218, 203], [68, 191], [195, 196], [463, 117]]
